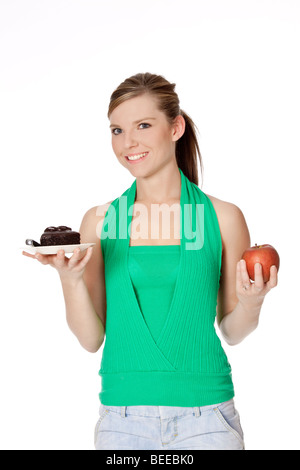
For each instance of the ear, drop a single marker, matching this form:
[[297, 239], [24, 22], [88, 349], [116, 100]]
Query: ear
[[178, 128]]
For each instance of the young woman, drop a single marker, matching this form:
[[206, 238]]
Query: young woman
[[168, 261]]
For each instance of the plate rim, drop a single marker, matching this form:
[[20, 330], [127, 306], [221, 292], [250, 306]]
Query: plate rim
[[34, 249]]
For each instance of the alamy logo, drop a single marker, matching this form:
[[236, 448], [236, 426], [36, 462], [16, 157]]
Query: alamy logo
[[186, 224]]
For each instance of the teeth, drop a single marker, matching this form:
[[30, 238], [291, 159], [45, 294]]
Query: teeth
[[137, 157]]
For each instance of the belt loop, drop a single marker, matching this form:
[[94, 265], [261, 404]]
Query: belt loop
[[123, 411], [197, 411]]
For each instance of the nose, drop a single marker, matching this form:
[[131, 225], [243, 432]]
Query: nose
[[129, 140]]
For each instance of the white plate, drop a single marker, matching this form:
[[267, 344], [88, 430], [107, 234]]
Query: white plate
[[53, 249]]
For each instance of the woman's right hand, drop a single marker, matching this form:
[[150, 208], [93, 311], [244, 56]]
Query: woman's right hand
[[68, 268]]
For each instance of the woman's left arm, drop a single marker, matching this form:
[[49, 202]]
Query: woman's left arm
[[239, 299]]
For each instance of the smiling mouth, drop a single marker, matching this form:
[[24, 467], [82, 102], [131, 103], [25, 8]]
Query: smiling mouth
[[137, 157]]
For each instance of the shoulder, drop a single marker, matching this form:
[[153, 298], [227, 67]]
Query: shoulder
[[92, 222], [225, 210], [231, 219], [97, 212]]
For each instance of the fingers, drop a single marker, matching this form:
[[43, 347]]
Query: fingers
[[242, 277], [57, 260], [76, 263], [76, 257], [60, 260], [27, 254], [272, 282], [45, 259], [80, 259], [42, 258], [259, 283], [239, 282], [258, 287]]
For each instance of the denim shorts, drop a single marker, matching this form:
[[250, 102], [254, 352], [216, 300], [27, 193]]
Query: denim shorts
[[213, 427]]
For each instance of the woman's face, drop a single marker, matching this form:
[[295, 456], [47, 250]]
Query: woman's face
[[142, 138]]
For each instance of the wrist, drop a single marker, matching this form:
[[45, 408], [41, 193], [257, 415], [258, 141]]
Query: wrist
[[70, 281], [252, 309]]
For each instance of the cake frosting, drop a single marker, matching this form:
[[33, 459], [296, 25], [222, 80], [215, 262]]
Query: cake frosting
[[60, 235]]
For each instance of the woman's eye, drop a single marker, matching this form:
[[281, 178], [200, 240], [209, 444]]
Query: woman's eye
[[116, 131], [144, 125]]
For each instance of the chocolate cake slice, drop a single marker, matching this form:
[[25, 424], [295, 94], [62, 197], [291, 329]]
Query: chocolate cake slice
[[61, 235]]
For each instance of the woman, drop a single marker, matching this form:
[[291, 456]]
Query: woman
[[168, 260]]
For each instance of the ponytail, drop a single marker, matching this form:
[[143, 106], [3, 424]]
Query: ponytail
[[188, 151]]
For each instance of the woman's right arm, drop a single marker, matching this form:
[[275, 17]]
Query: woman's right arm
[[83, 283]]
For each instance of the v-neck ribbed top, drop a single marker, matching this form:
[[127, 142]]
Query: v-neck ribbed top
[[153, 271], [181, 362]]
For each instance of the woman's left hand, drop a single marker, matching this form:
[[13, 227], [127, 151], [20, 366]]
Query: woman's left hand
[[251, 294]]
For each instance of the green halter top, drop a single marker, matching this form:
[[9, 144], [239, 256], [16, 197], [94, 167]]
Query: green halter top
[[168, 356]]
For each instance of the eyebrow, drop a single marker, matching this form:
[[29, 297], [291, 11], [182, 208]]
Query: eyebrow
[[136, 122]]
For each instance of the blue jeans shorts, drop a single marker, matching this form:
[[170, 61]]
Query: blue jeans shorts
[[213, 427]]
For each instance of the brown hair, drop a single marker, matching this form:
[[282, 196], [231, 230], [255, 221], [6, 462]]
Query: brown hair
[[187, 147]]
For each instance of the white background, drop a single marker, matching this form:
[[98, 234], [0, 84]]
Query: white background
[[236, 65]]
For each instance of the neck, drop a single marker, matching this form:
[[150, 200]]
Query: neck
[[159, 187]]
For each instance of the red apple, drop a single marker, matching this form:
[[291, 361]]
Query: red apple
[[266, 255]]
